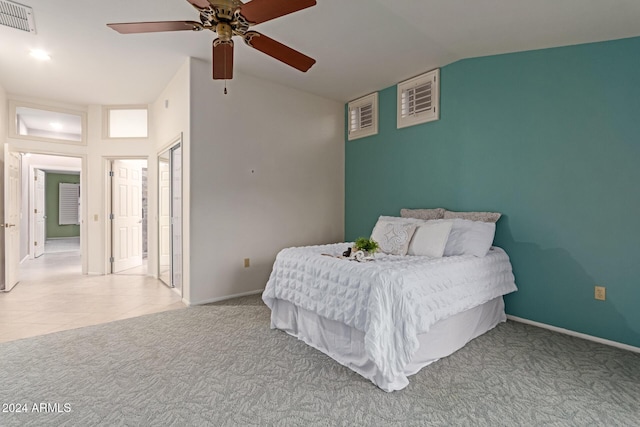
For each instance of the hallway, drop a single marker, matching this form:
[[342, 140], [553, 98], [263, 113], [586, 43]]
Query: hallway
[[53, 295]]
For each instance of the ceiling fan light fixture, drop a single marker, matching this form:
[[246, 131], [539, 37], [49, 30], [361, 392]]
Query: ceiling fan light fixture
[[229, 18]]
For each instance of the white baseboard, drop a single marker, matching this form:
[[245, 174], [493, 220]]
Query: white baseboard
[[575, 334], [209, 301]]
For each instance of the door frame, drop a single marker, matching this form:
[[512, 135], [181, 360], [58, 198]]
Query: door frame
[[84, 247], [108, 231], [47, 169]]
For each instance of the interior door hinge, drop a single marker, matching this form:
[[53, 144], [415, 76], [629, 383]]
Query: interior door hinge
[[35, 243], [111, 216], [35, 178], [111, 260], [111, 173], [35, 211]]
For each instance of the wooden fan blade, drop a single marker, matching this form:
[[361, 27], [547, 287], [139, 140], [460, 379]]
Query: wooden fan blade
[[257, 11], [200, 4], [153, 27], [222, 59], [278, 51]]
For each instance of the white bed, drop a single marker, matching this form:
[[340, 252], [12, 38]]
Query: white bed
[[388, 318]]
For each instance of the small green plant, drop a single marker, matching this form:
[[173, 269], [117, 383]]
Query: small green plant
[[368, 245]]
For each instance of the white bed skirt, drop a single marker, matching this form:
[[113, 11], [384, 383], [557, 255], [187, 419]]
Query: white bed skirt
[[346, 344]]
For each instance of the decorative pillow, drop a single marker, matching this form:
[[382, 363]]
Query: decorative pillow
[[473, 216], [430, 239], [427, 214], [401, 220], [470, 238], [393, 237]]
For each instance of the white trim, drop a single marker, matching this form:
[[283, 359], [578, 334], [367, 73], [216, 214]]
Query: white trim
[[209, 301], [575, 334]]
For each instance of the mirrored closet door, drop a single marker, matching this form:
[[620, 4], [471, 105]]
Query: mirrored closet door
[[170, 217]]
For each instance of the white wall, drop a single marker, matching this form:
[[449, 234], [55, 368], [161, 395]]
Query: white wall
[[170, 120], [266, 172]]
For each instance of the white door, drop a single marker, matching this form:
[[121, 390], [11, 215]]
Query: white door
[[38, 213], [11, 225], [126, 200]]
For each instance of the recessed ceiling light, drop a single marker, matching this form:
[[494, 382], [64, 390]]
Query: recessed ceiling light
[[56, 125], [40, 54]]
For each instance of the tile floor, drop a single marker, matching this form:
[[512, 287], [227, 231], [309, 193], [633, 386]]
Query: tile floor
[[53, 295]]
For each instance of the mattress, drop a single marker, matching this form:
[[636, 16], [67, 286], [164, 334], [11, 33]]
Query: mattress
[[391, 300]]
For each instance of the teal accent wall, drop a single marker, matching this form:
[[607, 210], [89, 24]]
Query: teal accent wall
[[52, 203], [550, 138]]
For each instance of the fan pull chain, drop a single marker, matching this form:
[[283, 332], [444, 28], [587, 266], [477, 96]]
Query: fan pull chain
[[225, 71]]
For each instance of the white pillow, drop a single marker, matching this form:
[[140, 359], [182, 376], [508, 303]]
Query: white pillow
[[469, 237], [430, 239], [393, 237]]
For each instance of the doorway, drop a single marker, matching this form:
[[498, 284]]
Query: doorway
[[128, 216], [41, 231]]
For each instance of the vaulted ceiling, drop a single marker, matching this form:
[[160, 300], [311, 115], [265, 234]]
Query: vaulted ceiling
[[360, 45]]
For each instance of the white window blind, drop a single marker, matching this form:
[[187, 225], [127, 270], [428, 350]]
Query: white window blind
[[363, 116], [69, 204], [418, 99]]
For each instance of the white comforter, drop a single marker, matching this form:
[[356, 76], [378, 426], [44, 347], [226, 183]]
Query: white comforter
[[391, 299]]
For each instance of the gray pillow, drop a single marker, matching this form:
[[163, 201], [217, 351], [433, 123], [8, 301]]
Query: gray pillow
[[473, 216], [428, 214]]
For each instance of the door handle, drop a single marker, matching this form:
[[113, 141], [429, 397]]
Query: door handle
[[7, 225]]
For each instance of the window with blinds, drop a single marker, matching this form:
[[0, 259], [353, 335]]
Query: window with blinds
[[418, 99], [363, 116], [69, 204]]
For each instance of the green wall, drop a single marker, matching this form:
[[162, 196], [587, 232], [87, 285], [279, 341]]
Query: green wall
[[550, 138], [52, 202]]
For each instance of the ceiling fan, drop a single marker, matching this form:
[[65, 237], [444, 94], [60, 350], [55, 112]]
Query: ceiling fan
[[230, 18]]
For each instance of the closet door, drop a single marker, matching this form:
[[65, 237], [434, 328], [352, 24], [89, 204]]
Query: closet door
[[176, 217], [164, 218], [170, 217]]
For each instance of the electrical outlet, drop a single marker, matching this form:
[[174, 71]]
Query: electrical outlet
[[247, 263], [600, 293]]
